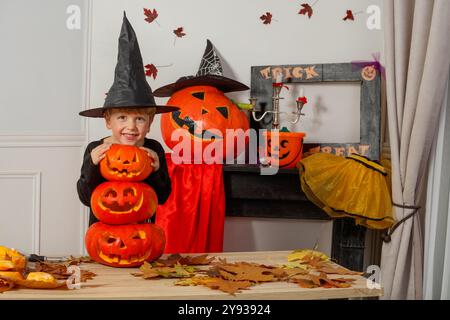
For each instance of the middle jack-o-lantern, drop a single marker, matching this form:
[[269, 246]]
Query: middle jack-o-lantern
[[122, 202], [206, 113], [126, 163], [125, 245]]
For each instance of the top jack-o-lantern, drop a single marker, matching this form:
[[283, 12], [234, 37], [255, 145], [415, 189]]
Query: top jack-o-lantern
[[126, 163], [206, 113]]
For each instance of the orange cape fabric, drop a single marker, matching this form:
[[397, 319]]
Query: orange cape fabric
[[194, 214]]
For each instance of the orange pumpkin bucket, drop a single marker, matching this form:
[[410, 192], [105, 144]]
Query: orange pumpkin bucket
[[289, 149]]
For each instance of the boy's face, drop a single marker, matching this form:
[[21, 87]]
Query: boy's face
[[129, 127]]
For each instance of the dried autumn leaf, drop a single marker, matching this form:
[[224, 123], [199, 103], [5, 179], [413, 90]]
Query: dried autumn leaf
[[150, 15], [293, 272], [179, 32], [335, 269], [59, 271], [306, 255], [306, 10], [349, 16], [178, 271], [71, 260], [173, 259], [230, 287], [249, 271], [151, 70], [266, 18], [321, 280], [196, 260]]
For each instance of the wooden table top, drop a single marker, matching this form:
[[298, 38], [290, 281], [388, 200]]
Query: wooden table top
[[118, 283]]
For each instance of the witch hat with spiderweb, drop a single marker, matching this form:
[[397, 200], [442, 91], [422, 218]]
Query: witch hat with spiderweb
[[130, 88], [209, 73]]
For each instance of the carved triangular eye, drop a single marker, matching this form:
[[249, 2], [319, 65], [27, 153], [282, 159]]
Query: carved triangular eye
[[199, 95], [138, 235], [204, 111], [223, 111]]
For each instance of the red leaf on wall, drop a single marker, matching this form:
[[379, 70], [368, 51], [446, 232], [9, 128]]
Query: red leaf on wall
[[179, 32], [151, 15], [266, 18], [306, 10], [151, 71], [349, 15]]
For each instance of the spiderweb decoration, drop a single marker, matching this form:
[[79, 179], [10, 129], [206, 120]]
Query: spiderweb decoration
[[210, 64]]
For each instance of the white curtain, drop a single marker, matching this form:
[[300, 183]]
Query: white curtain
[[437, 223], [417, 52]]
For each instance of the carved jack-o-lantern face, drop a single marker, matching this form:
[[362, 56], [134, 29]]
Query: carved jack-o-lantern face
[[368, 73], [123, 202], [11, 259], [289, 149], [125, 245], [126, 163], [206, 113]]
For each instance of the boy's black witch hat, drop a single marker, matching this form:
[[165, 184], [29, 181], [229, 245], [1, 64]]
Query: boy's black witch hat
[[130, 88], [210, 73]]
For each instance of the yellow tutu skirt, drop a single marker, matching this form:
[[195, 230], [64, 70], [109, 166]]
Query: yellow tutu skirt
[[348, 187]]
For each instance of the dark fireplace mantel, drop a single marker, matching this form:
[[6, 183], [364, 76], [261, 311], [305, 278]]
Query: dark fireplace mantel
[[249, 194]]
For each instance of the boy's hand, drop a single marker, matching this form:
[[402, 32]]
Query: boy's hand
[[98, 153], [154, 156]]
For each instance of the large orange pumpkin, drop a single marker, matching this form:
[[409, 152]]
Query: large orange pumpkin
[[289, 149], [125, 245], [126, 163], [202, 109], [115, 202]]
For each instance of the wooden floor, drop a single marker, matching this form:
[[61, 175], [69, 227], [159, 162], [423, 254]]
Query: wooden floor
[[118, 283]]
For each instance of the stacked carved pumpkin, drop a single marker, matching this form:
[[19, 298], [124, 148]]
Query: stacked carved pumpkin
[[121, 204]]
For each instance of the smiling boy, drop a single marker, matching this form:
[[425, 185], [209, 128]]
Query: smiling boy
[[128, 111]]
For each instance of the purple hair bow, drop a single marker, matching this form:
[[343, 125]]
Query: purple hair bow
[[357, 65]]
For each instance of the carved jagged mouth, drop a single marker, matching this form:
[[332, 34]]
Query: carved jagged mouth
[[114, 258], [191, 126], [124, 172]]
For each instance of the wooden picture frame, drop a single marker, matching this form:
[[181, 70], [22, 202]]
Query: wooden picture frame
[[369, 78]]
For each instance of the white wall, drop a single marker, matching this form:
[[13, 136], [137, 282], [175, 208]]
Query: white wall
[[242, 41], [41, 136]]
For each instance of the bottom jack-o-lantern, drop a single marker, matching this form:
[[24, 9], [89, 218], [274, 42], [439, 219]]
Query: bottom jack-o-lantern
[[127, 245], [289, 149]]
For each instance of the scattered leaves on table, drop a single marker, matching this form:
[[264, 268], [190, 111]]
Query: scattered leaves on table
[[72, 260], [306, 268], [177, 271], [173, 259], [244, 271], [59, 271], [321, 280]]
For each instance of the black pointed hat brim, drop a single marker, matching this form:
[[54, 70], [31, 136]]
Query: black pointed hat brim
[[222, 83], [99, 112]]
